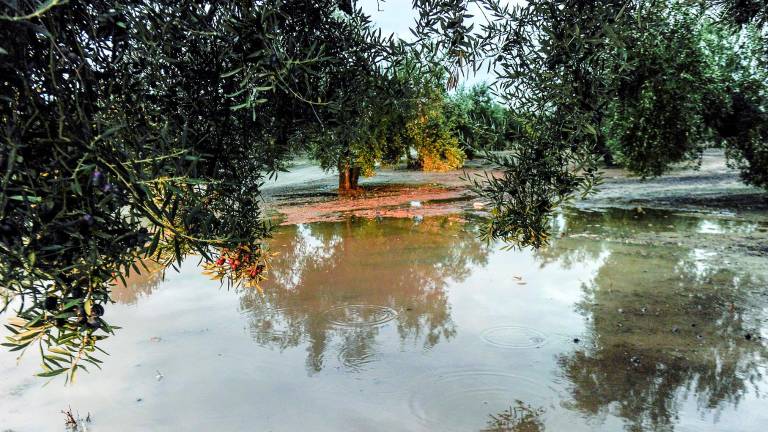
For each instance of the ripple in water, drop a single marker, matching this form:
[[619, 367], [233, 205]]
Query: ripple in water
[[360, 315], [464, 400], [274, 326], [357, 360], [373, 374], [513, 337]]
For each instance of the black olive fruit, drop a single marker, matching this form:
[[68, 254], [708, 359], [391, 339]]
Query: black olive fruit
[[8, 232], [87, 221], [97, 310], [93, 322], [51, 303], [97, 178]]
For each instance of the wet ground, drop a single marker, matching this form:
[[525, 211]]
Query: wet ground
[[642, 320], [307, 194]]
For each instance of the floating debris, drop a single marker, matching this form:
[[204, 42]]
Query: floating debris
[[75, 423]]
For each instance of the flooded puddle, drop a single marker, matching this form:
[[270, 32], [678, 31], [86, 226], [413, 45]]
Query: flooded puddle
[[629, 321]]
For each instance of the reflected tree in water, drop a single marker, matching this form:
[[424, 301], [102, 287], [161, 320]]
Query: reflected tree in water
[[577, 230], [668, 324], [138, 284], [518, 418], [396, 270], [581, 235]]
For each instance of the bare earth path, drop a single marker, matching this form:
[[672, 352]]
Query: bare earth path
[[307, 194], [712, 187]]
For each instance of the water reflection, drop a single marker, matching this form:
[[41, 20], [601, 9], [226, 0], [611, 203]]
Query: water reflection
[[334, 285], [637, 320], [668, 322], [517, 418], [138, 284]]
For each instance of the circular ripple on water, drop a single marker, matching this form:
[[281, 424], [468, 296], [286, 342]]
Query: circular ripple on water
[[360, 315], [274, 326], [356, 360], [513, 337], [465, 399], [372, 374]]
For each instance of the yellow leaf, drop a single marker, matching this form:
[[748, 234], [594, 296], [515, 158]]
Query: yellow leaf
[[16, 321], [58, 350]]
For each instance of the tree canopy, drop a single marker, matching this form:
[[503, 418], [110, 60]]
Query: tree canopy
[[144, 130], [646, 84]]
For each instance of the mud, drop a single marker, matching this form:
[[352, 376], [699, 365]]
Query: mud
[[307, 194], [710, 187]]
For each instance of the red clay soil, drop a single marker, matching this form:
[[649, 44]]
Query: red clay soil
[[402, 201], [713, 186]]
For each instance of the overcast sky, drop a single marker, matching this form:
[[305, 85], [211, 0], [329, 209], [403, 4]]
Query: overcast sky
[[393, 16], [396, 16]]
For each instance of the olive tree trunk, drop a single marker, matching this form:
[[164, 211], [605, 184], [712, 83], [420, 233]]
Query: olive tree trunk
[[348, 177]]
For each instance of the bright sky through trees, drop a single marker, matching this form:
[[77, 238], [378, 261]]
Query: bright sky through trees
[[397, 16]]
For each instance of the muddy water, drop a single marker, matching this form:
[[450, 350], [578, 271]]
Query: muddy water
[[637, 321]]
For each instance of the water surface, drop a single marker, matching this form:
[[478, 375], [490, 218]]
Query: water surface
[[628, 321]]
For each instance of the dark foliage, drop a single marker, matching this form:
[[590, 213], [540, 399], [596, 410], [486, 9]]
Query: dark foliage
[[144, 130]]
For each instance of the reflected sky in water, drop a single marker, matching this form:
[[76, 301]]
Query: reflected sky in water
[[628, 321]]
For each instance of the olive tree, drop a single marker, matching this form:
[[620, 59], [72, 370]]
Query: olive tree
[[627, 81], [660, 89], [478, 120], [143, 129]]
